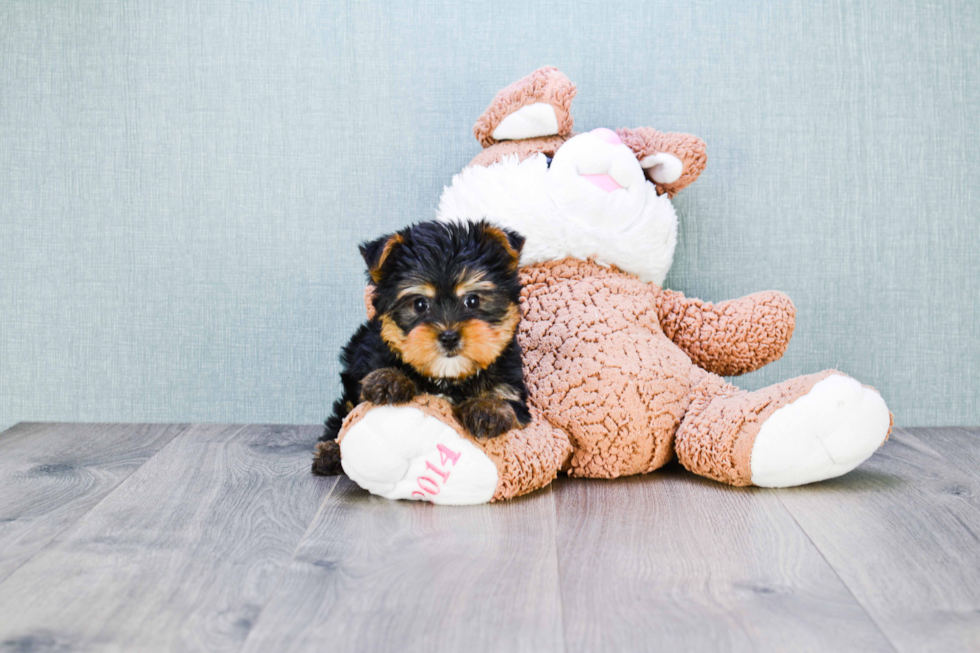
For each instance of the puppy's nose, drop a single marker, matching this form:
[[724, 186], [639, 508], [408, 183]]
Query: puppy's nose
[[449, 339]]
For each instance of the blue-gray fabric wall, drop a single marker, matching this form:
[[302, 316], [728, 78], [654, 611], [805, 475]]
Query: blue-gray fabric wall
[[182, 185]]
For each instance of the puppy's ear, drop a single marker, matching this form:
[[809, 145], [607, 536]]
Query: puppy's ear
[[512, 241], [376, 252], [516, 241]]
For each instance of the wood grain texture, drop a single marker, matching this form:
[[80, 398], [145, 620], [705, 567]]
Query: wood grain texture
[[959, 445], [222, 541], [903, 533], [670, 561], [52, 474], [180, 557], [377, 575]]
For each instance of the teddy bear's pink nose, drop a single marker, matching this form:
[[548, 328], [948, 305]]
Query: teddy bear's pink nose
[[607, 135]]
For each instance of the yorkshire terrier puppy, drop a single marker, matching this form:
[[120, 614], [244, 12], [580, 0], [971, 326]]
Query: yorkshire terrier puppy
[[445, 298]]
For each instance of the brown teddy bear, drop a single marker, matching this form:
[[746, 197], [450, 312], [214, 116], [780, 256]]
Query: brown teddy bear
[[623, 375]]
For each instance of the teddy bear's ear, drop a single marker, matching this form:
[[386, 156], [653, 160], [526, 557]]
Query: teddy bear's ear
[[375, 252], [537, 105], [670, 160]]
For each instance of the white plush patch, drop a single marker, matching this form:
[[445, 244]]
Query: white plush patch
[[399, 452], [825, 433], [664, 168], [562, 214], [530, 121]]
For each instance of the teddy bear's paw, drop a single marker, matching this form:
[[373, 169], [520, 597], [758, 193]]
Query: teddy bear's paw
[[826, 433], [399, 452]]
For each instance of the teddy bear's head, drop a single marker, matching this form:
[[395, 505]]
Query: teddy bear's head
[[602, 195]]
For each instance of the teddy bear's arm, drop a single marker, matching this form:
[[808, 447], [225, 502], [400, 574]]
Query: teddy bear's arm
[[420, 450], [732, 337]]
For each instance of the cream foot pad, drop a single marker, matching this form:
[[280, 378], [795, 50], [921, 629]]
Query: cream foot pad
[[399, 452], [826, 433]]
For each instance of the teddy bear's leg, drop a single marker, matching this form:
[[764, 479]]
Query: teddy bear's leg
[[419, 451], [803, 430]]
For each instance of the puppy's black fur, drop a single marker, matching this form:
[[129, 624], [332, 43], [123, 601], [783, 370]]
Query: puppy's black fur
[[446, 301]]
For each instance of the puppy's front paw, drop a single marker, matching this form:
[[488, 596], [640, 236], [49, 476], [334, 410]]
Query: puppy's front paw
[[486, 418], [387, 386]]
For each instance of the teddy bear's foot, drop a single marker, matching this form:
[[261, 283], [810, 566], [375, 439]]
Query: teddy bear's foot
[[823, 434], [799, 431], [400, 452]]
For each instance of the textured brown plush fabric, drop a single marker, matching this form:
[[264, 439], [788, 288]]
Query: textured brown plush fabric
[[522, 148], [732, 337], [716, 437], [646, 141], [369, 301], [527, 459], [546, 85], [598, 366]]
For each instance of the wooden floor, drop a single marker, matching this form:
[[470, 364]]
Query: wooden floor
[[216, 538]]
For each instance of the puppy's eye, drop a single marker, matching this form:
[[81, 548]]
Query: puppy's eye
[[421, 305], [471, 301]]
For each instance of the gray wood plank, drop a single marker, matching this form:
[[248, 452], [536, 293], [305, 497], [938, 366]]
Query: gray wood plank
[[52, 474], [958, 445], [903, 532], [181, 557], [378, 575], [673, 562]]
